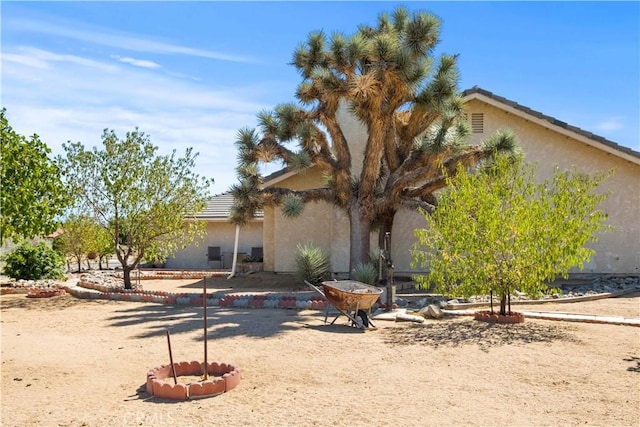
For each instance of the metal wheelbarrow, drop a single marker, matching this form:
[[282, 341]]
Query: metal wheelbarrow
[[351, 298]]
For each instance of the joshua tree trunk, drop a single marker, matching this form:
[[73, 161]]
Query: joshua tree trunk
[[360, 234]]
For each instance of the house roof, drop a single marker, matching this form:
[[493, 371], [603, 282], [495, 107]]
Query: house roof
[[553, 123], [219, 207], [505, 104], [278, 176]]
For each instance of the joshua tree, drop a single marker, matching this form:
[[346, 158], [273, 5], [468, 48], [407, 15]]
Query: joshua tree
[[409, 105]]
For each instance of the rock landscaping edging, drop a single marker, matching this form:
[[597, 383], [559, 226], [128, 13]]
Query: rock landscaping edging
[[89, 289], [21, 286], [598, 288], [173, 275], [106, 286]]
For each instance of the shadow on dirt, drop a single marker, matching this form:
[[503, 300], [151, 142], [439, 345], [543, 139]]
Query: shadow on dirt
[[221, 322], [258, 282], [635, 368], [335, 329], [471, 332]]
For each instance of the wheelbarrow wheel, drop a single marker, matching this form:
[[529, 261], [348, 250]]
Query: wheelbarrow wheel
[[365, 319]]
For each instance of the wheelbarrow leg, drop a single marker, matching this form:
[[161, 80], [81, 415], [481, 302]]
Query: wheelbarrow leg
[[318, 290], [352, 318]]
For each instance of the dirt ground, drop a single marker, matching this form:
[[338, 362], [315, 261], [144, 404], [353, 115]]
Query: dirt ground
[[72, 362]]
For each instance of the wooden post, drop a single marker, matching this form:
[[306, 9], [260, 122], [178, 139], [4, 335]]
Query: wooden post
[[173, 370], [204, 307]]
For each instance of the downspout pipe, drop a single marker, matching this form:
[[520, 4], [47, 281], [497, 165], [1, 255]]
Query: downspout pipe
[[235, 253]]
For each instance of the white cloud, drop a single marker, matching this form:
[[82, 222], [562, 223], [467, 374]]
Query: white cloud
[[38, 58], [610, 124], [27, 60], [72, 98], [106, 37], [137, 62]]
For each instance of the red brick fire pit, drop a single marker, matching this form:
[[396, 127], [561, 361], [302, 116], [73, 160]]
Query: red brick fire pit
[[222, 377]]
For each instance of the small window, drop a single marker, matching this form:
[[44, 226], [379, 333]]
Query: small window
[[477, 122], [213, 253]]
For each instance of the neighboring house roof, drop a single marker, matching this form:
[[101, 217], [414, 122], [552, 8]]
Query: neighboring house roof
[[552, 123], [219, 207]]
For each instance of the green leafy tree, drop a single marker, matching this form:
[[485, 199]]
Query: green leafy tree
[[102, 244], [33, 195], [75, 240], [498, 230], [412, 111], [81, 236], [140, 198]]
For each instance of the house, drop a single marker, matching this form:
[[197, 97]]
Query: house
[[216, 251], [548, 141], [544, 140]]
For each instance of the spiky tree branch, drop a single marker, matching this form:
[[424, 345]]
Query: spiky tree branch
[[408, 103]]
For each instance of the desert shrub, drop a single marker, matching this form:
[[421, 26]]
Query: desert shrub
[[312, 263], [34, 262], [499, 230], [365, 273]]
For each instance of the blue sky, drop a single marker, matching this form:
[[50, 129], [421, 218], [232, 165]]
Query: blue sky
[[193, 73]]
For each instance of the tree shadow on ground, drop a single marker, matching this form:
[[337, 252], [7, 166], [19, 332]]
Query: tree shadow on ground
[[635, 359], [471, 332], [258, 282], [221, 322], [335, 329]]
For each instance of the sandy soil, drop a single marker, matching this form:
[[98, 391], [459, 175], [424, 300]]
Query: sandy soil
[[71, 362]]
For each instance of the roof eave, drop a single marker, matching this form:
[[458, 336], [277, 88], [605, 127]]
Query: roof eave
[[552, 123]]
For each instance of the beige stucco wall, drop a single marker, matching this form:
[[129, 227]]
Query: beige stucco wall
[[617, 251], [319, 224], [356, 134], [219, 233]]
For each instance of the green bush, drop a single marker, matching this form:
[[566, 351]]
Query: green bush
[[34, 263], [365, 273], [312, 263]]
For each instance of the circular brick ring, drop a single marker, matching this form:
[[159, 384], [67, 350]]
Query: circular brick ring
[[45, 293], [223, 377], [488, 316]]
